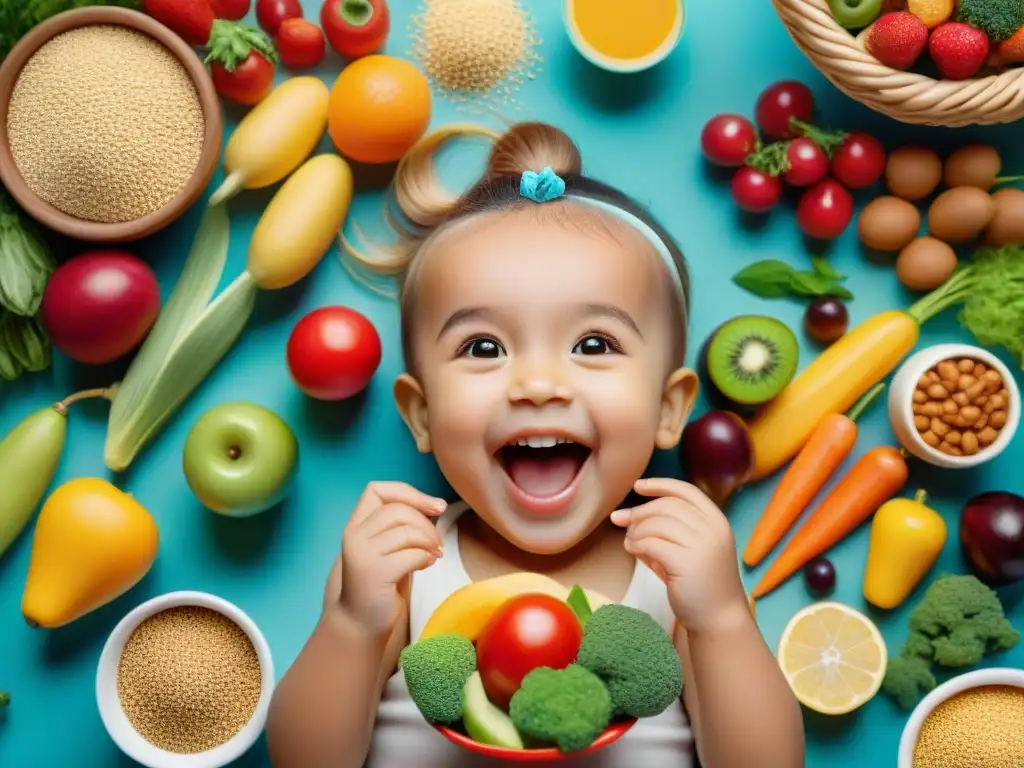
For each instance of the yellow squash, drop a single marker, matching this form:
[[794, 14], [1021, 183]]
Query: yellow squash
[[907, 538], [275, 137], [92, 543], [301, 222], [831, 384]]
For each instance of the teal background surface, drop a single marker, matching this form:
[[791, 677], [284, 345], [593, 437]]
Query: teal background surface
[[639, 132]]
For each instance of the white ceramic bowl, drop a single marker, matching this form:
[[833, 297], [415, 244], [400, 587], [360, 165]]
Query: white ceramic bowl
[[121, 731], [901, 414], [959, 684], [624, 66]]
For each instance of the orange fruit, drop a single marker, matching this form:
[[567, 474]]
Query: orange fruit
[[380, 106]]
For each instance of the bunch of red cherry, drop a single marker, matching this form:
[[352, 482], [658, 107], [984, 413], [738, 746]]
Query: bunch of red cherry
[[792, 151]]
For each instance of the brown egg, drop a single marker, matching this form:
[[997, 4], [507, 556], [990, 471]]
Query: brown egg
[[960, 214], [888, 223], [925, 264], [976, 165], [1007, 226], [913, 172]]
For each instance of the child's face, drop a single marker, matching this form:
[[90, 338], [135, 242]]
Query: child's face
[[535, 332]]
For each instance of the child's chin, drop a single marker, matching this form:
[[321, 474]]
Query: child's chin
[[550, 536]]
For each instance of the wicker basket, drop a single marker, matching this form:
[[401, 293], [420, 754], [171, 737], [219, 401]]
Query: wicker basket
[[903, 96]]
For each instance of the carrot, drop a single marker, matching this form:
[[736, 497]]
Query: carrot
[[1011, 50], [827, 448], [873, 480]]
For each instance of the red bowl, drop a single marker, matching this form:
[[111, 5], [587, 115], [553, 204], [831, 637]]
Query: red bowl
[[611, 734]]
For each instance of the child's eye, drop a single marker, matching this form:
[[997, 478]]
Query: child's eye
[[595, 345], [482, 348]]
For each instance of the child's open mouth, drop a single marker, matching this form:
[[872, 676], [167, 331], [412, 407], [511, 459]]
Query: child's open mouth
[[542, 471]]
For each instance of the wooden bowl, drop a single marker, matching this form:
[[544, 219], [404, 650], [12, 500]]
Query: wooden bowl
[[904, 96], [611, 734], [92, 231]]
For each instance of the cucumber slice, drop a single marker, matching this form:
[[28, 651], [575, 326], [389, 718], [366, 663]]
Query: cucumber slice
[[483, 720]]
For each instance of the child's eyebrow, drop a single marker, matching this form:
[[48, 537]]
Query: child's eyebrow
[[612, 311], [468, 314]]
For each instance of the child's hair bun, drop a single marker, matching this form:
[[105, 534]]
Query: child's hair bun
[[533, 147]]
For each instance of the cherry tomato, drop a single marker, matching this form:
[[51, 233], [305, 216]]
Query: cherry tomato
[[333, 353], [356, 28], [526, 632], [778, 103], [807, 163], [300, 44], [727, 140], [233, 10], [249, 83], [859, 162], [755, 191], [271, 13], [825, 210]]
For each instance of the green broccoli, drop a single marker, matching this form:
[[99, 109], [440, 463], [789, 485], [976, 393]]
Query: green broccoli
[[569, 707], [436, 671], [999, 19], [957, 623], [636, 659]]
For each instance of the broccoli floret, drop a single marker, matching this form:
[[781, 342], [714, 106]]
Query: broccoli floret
[[999, 19], [958, 621], [436, 671], [634, 657], [569, 707]]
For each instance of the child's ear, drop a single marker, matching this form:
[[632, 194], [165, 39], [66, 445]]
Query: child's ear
[[412, 405], [676, 403]]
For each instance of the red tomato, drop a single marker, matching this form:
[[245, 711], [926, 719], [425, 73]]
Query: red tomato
[[356, 27], [825, 210], [271, 13], [807, 163], [780, 102], [235, 10], [526, 632], [755, 191], [859, 162], [249, 83], [333, 353], [300, 44], [727, 140]]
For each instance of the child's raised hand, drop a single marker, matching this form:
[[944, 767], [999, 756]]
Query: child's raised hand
[[387, 538], [684, 538]]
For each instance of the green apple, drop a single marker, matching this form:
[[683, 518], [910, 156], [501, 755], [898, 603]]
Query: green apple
[[239, 459], [855, 14]]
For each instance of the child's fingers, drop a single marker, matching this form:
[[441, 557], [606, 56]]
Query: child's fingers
[[405, 537], [670, 529], [659, 555], [377, 494], [392, 516], [398, 565], [669, 486], [668, 505]]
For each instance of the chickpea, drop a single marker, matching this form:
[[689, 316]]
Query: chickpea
[[987, 436], [969, 443], [960, 398], [931, 439], [938, 392], [950, 406], [921, 397], [953, 437], [965, 382], [965, 366], [939, 428], [947, 370], [970, 413], [997, 419]]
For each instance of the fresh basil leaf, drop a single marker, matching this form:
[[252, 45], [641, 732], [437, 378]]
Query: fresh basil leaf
[[824, 269], [840, 292], [810, 284], [770, 278]]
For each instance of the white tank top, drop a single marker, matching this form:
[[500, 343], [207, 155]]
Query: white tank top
[[403, 739]]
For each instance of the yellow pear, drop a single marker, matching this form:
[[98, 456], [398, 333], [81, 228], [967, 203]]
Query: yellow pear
[[92, 543]]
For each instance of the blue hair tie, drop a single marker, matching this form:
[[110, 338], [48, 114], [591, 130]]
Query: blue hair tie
[[541, 187]]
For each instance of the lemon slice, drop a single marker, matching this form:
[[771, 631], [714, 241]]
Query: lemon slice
[[833, 657]]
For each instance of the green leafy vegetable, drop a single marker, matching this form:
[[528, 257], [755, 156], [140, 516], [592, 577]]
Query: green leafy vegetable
[[24, 346], [5, 699], [772, 279], [231, 43], [577, 600], [17, 17], [25, 260]]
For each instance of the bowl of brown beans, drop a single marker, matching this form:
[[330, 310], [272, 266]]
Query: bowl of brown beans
[[954, 405]]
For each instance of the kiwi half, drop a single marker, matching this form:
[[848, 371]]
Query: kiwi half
[[750, 359]]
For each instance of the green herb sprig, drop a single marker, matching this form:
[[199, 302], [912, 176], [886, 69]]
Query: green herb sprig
[[17, 17], [774, 279]]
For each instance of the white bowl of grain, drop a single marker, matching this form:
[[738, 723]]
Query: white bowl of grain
[[974, 719], [185, 681]]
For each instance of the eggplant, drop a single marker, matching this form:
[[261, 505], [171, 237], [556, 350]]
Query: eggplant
[[992, 537]]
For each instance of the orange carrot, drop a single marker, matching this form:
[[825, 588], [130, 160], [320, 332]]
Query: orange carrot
[[873, 480], [1011, 50], [827, 447]]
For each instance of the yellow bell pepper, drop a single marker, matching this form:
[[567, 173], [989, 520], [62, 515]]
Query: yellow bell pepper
[[906, 540]]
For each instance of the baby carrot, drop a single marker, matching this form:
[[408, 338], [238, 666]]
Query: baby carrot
[[829, 444], [873, 480]]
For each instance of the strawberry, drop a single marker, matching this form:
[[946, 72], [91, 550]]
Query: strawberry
[[897, 39], [958, 50], [189, 19]]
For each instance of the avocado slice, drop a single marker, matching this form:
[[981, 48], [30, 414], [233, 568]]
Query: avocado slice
[[483, 720]]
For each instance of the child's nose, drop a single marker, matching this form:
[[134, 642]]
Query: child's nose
[[539, 383]]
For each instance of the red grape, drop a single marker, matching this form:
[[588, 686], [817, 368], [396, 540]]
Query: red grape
[[727, 140], [859, 162], [755, 191], [807, 163], [820, 576], [826, 319], [825, 210], [778, 103]]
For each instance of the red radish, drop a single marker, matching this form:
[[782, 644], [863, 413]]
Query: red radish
[[897, 39], [727, 140], [825, 210], [780, 103], [233, 10], [241, 60], [100, 305], [192, 20], [271, 13], [807, 163], [755, 191], [859, 162], [300, 44], [958, 50]]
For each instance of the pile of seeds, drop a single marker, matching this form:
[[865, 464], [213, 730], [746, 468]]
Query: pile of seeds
[[979, 728], [188, 679], [105, 124], [479, 50]]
